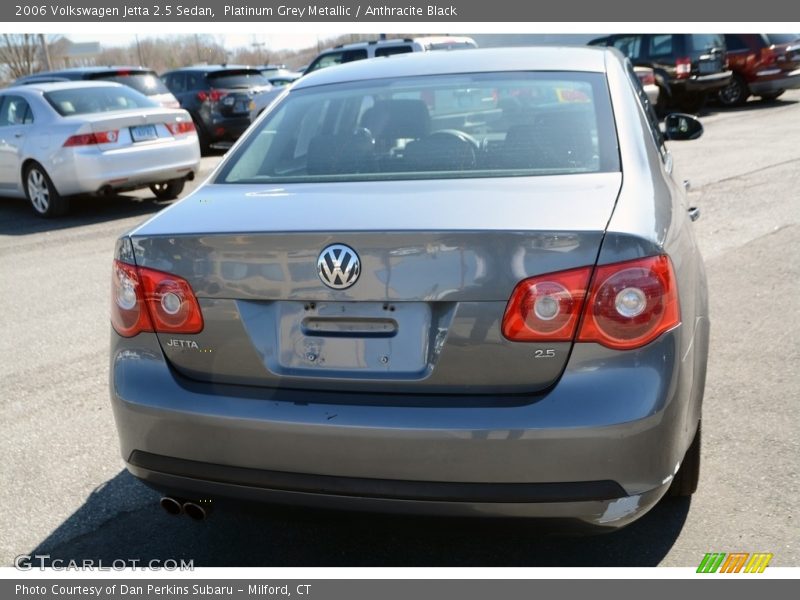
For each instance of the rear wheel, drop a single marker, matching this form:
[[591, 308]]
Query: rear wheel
[[42, 194], [685, 482], [167, 190], [771, 96], [735, 93]]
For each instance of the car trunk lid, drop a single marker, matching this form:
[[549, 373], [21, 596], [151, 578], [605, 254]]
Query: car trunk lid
[[438, 263]]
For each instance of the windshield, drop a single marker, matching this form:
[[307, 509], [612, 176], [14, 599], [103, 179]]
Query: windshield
[[783, 38], [237, 79], [146, 83], [87, 100], [481, 125], [707, 41]]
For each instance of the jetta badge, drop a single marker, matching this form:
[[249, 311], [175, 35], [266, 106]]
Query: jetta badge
[[338, 266]]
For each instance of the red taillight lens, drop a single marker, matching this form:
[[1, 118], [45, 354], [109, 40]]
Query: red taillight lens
[[128, 314], [87, 139], [181, 127], [631, 303], [647, 78], [546, 307], [768, 56], [148, 300], [211, 95], [683, 67]]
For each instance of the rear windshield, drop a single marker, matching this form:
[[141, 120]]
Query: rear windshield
[[146, 83], [481, 125], [87, 100], [707, 41], [237, 79], [782, 38]]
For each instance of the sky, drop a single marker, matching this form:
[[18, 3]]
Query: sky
[[271, 41]]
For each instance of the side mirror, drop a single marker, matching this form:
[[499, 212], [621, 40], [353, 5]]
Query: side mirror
[[680, 126]]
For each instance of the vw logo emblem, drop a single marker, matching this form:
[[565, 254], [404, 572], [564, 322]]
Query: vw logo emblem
[[338, 266]]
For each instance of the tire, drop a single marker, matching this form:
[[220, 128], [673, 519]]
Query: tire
[[41, 193], [735, 93], [167, 190], [692, 103], [203, 139], [772, 96], [685, 482]]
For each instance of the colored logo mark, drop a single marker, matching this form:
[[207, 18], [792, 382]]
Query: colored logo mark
[[734, 562]]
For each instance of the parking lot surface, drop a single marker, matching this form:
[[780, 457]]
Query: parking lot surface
[[67, 494]]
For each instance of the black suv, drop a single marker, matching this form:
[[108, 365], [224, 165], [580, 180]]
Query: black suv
[[219, 98], [141, 79], [688, 66]]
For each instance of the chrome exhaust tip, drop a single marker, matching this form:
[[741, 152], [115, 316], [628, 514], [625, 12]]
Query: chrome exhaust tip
[[196, 511], [171, 505]]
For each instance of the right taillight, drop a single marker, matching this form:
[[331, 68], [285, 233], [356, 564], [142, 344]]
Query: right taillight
[[180, 127], [628, 305], [149, 300], [683, 67], [631, 303]]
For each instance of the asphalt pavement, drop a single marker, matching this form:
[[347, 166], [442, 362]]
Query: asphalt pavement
[[65, 491]]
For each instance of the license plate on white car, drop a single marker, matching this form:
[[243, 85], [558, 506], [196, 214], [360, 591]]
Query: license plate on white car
[[144, 133]]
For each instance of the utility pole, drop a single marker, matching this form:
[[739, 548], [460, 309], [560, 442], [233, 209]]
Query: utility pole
[[139, 51], [46, 52]]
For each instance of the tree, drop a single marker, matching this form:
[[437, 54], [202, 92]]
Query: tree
[[20, 53]]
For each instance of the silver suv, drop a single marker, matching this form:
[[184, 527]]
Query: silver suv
[[359, 51]]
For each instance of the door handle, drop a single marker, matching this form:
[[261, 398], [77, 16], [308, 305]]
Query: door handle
[[694, 213], [18, 135]]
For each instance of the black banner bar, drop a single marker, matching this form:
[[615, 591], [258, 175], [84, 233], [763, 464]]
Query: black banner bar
[[411, 11]]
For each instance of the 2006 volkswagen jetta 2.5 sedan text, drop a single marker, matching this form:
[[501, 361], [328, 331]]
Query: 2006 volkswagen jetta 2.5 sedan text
[[459, 283]]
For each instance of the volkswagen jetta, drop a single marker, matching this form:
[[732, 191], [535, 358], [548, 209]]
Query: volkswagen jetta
[[458, 283]]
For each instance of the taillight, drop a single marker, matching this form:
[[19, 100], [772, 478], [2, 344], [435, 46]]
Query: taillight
[[88, 139], [768, 56], [181, 127], [148, 300], [546, 307], [210, 95], [683, 67], [628, 305], [647, 78], [631, 303]]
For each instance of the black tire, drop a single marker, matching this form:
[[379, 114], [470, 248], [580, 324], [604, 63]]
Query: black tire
[[772, 96], [685, 482], [203, 138], [167, 190], [692, 103], [41, 193], [735, 93]]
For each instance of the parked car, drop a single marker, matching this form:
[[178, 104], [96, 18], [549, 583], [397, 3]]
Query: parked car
[[143, 80], [688, 67], [281, 77], [77, 137], [763, 64], [219, 98], [648, 78], [345, 53], [457, 283]]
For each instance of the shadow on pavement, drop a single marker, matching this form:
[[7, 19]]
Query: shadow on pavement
[[17, 217], [754, 104], [122, 520]]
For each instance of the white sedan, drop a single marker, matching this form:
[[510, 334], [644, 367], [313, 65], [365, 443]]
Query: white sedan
[[62, 139]]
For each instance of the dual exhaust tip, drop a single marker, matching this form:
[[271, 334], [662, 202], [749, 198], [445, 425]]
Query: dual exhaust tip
[[194, 510]]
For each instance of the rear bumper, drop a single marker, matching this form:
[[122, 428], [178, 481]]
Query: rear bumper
[[223, 131], [700, 84], [600, 447], [782, 81], [90, 170]]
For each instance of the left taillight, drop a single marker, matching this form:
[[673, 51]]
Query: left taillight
[[89, 139], [148, 300], [181, 127], [683, 67]]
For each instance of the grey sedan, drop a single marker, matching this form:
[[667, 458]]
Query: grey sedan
[[459, 283], [63, 139]]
